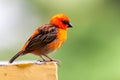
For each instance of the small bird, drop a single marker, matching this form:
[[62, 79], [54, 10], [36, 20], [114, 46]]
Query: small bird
[[46, 38]]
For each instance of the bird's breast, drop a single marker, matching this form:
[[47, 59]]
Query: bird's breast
[[61, 38], [62, 35]]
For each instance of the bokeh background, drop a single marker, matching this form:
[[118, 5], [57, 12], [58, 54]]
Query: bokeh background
[[92, 51]]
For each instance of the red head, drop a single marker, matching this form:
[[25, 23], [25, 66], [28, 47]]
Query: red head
[[61, 21]]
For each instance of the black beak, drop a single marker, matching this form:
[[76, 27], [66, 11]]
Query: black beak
[[69, 25]]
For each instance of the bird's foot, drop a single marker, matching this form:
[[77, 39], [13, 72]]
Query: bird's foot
[[51, 60], [56, 61], [41, 60]]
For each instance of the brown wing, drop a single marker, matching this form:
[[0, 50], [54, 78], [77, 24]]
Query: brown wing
[[44, 35]]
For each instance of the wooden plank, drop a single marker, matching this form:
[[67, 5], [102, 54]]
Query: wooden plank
[[28, 71]]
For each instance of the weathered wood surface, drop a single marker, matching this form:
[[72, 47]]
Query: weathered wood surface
[[28, 71]]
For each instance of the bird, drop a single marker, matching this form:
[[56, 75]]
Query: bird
[[46, 38]]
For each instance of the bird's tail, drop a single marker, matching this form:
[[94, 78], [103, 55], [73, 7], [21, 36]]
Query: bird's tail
[[16, 56]]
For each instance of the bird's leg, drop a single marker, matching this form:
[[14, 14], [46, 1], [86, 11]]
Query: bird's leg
[[42, 58], [48, 57], [52, 59]]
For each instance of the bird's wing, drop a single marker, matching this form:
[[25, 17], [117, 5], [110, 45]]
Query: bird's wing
[[41, 37]]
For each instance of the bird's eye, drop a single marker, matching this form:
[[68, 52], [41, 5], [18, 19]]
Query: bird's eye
[[64, 22]]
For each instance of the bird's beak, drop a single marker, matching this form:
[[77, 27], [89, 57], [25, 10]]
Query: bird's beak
[[69, 25]]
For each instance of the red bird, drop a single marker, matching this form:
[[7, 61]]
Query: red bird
[[46, 38]]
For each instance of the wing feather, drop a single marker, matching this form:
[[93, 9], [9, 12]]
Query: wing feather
[[45, 34]]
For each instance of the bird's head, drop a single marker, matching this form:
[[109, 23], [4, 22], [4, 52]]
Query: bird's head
[[61, 21]]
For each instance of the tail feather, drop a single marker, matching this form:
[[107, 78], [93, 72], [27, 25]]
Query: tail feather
[[16, 56]]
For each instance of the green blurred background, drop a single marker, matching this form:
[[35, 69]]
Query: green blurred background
[[92, 51]]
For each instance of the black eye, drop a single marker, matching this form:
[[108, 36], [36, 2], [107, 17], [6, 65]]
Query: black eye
[[64, 22]]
